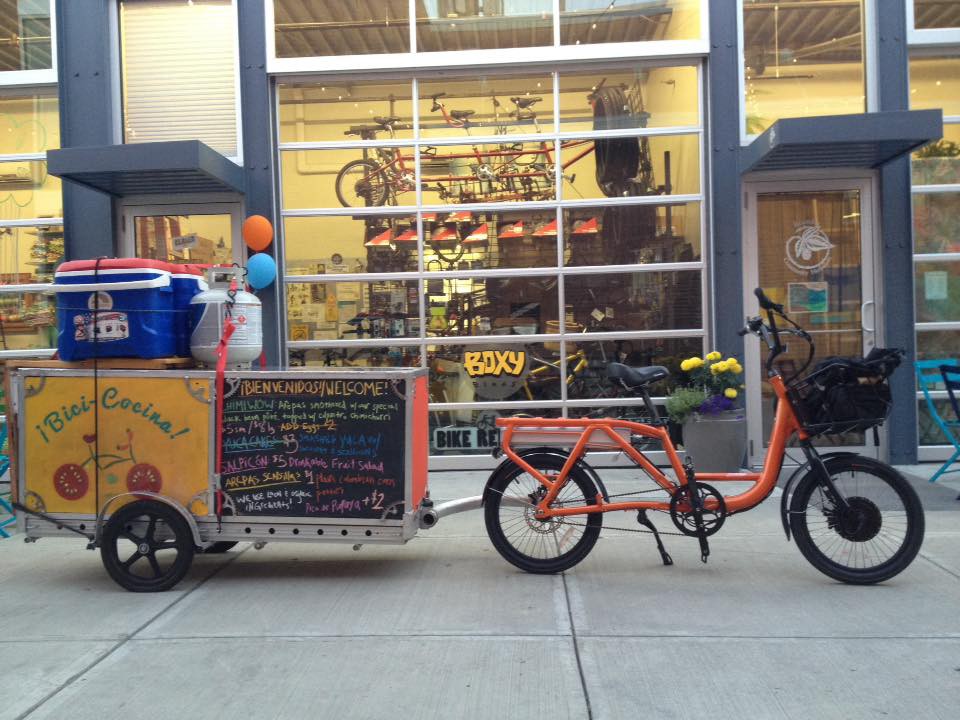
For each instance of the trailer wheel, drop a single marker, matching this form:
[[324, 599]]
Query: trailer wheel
[[146, 546]]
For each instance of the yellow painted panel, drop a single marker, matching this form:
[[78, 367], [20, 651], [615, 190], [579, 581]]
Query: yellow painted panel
[[145, 433]]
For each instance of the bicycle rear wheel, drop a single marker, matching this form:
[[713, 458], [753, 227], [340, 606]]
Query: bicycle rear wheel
[[540, 546], [361, 183], [873, 537]]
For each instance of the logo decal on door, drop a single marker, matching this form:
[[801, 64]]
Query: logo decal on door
[[808, 249]]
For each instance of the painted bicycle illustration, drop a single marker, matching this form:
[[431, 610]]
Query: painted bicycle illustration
[[72, 481], [505, 171]]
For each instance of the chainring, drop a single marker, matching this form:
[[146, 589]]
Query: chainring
[[713, 514]]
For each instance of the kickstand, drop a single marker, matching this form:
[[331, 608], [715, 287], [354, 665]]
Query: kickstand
[[645, 521]]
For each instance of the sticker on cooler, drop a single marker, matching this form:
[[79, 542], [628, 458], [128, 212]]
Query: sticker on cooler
[[109, 326]]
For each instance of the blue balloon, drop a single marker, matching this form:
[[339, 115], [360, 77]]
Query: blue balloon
[[261, 271]]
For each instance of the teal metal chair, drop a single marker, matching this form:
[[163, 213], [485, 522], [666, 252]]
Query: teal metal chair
[[6, 511], [937, 375]]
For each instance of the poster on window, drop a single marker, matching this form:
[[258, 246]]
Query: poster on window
[[807, 297]]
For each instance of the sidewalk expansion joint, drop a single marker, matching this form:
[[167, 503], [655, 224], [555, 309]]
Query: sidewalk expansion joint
[[576, 648]]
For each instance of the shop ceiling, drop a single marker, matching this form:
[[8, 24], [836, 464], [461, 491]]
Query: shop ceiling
[[364, 27]]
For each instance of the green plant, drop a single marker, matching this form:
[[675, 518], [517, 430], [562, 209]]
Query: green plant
[[683, 402]]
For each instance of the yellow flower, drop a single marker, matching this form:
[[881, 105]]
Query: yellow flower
[[731, 361], [717, 368], [730, 393], [713, 356], [737, 368], [691, 364]]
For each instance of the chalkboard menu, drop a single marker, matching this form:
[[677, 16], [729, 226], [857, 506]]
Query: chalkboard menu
[[315, 447]]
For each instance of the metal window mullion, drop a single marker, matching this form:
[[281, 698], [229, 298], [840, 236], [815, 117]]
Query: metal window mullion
[[31, 222], [347, 144], [936, 257], [412, 20], [17, 289], [935, 189], [936, 326]]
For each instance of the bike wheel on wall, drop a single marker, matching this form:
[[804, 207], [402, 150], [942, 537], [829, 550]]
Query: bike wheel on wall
[[361, 183], [617, 159]]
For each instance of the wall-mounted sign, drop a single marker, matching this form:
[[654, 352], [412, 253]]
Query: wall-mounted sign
[[497, 372], [465, 438]]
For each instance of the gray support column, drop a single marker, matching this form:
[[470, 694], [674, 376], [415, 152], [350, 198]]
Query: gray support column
[[723, 153], [85, 72], [897, 234], [258, 162]]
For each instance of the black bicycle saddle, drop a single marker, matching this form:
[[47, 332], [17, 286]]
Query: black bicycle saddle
[[636, 377], [461, 114]]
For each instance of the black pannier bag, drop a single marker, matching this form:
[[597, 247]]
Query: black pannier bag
[[845, 395]]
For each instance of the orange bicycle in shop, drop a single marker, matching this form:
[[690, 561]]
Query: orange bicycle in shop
[[853, 518]]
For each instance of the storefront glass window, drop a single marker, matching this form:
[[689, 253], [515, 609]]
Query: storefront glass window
[[333, 27], [25, 40], [184, 238], [344, 111], [486, 105], [180, 72], [329, 28], [602, 21], [802, 58], [499, 220], [633, 234], [935, 83], [616, 97], [483, 24], [932, 14]]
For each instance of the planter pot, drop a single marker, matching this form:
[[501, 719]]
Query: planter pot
[[716, 443]]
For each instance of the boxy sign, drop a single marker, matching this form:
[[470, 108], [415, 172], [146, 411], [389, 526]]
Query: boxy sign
[[465, 438]]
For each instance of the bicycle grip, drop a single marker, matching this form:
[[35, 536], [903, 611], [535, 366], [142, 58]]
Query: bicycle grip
[[743, 331], [765, 302]]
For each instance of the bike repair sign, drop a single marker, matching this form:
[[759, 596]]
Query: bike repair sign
[[86, 441]]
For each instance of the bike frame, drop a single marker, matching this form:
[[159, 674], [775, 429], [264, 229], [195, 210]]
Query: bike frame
[[785, 425], [396, 168]]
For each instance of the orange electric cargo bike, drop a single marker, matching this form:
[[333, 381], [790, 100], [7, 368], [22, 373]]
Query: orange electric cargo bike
[[854, 518]]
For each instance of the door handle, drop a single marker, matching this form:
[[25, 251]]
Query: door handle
[[863, 315]]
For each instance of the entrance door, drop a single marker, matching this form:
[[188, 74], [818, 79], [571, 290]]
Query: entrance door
[[206, 233], [809, 245]]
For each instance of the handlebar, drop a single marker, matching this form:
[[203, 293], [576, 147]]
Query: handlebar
[[770, 333]]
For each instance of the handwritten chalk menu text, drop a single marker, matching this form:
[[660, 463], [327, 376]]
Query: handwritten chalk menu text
[[315, 447]]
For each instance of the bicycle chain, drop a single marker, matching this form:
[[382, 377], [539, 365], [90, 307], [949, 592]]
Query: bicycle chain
[[609, 527]]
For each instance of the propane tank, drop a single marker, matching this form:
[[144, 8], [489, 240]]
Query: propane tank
[[208, 310]]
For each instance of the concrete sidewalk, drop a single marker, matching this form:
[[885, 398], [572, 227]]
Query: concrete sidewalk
[[444, 628]]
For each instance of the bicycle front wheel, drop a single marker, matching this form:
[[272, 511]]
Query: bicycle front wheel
[[872, 536], [541, 546], [361, 183]]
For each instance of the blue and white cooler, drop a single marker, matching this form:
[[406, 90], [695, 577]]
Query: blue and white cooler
[[187, 281], [120, 307]]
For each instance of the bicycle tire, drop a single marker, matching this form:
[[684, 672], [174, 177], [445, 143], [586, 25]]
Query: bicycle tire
[[175, 535], [515, 533], [617, 159], [856, 532], [375, 189]]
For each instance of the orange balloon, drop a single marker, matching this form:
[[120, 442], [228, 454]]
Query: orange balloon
[[257, 232]]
